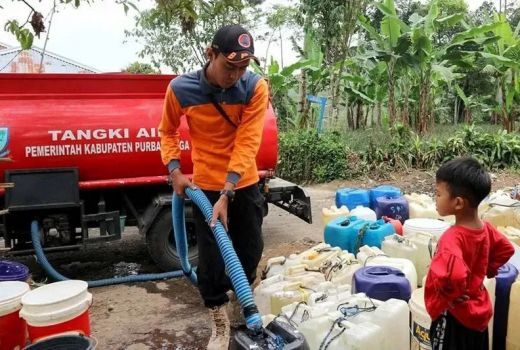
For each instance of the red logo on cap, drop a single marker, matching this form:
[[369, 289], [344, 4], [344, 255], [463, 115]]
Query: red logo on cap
[[244, 40]]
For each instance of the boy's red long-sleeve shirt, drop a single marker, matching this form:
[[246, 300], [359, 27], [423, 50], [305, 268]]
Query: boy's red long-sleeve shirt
[[463, 258]]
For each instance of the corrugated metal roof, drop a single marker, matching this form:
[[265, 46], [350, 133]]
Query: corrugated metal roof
[[15, 60]]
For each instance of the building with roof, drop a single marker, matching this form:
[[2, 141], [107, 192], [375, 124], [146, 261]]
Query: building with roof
[[16, 60]]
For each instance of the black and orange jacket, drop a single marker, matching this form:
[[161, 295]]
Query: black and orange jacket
[[220, 152]]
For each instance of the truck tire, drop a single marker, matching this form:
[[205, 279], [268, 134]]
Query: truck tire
[[161, 243]]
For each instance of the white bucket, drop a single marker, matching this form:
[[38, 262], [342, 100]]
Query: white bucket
[[11, 293], [420, 322], [57, 308], [432, 226], [12, 328]]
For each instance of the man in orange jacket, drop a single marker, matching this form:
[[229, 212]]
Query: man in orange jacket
[[225, 106]]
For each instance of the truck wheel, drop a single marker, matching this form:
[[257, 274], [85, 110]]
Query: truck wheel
[[161, 243]]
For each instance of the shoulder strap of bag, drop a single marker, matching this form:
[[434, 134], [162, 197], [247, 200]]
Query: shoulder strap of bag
[[222, 111]]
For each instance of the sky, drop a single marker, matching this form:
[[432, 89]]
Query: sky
[[94, 34]]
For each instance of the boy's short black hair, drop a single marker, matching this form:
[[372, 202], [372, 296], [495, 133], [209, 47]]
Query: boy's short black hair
[[466, 178]]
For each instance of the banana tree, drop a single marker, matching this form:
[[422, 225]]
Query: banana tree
[[360, 85], [471, 103], [504, 64], [283, 83], [429, 62], [390, 43]]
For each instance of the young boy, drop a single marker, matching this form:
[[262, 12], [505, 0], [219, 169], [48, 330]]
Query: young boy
[[455, 296]]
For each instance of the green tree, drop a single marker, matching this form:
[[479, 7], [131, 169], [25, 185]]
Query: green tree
[[177, 37], [504, 65], [446, 31], [390, 44], [281, 18], [140, 68], [332, 23], [483, 14]]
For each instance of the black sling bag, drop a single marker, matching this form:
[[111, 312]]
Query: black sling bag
[[222, 112]]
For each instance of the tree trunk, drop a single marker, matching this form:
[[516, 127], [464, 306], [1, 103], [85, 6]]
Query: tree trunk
[[378, 115], [405, 119], [359, 115], [391, 95], [505, 115], [335, 91], [281, 46], [367, 110], [431, 109], [41, 67], [423, 103], [456, 111], [467, 116], [350, 118], [302, 102]]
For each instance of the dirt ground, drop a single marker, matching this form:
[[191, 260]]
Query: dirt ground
[[169, 314]]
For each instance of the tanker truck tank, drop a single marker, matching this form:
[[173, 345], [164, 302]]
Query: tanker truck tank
[[81, 151]]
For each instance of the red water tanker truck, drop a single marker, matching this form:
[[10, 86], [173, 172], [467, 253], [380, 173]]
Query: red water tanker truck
[[80, 154]]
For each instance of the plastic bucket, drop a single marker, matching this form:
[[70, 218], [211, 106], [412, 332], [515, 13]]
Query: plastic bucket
[[69, 342], [13, 330], [13, 271], [432, 226], [420, 322], [57, 308]]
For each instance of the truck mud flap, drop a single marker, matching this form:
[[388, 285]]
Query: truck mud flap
[[290, 197], [153, 210]]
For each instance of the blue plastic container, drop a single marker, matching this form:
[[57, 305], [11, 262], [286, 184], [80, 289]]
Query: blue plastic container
[[506, 277], [351, 198], [343, 232], [381, 283], [13, 271], [383, 191], [392, 207], [341, 194], [377, 231]]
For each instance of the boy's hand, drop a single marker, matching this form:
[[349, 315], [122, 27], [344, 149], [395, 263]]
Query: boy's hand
[[459, 300]]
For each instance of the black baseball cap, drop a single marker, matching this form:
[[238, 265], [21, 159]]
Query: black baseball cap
[[235, 43]]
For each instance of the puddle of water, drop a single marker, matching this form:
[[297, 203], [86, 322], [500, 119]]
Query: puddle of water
[[122, 269]]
